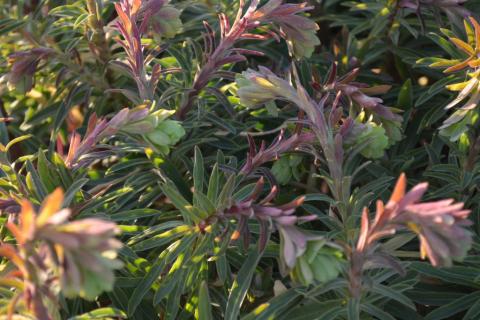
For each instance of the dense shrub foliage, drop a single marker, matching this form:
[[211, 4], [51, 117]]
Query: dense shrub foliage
[[222, 159]]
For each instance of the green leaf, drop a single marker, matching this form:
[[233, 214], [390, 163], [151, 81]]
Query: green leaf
[[180, 203], [272, 109], [80, 21], [166, 287], [388, 292], [204, 304], [205, 205], [375, 312], [64, 173], [68, 10], [446, 45], [45, 171], [275, 306], [434, 90], [474, 312], [162, 239], [313, 310], [7, 25], [226, 192], [37, 185], [223, 100], [319, 197], [222, 267], [102, 313], [213, 184], [72, 190], [405, 96], [454, 307], [353, 309], [458, 275], [144, 286], [17, 140], [240, 286], [154, 230], [135, 214], [198, 171], [166, 257]]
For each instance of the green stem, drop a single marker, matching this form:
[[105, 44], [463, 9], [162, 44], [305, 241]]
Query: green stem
[[472, 156], [96, 26]]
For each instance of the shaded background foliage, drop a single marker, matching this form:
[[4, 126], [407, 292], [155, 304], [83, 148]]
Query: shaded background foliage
[[144, 170]]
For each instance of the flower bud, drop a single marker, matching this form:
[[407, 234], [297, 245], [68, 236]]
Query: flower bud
[[287, 166], [304, 43], [257, 87], [166, 22], [299, 30], [318, 264], [148, 124], [393, 130], [166, 134], [374, 140]]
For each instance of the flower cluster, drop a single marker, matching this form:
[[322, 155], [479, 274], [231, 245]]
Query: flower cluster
[[316, 261], [470, 49], [253, 86], [134, 17], [280, 145], [452, 8], [258, 87], [459, 121], [299, 31], [163, 18], [79, 257], [155, 128], [265, 214], [87, 257], [359, 93], [373, 125], [469, 91], [306, 256], [440, 225], [372, 137]]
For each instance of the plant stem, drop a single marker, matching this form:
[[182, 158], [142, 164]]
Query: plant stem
[[472, 155], [96, 25]]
